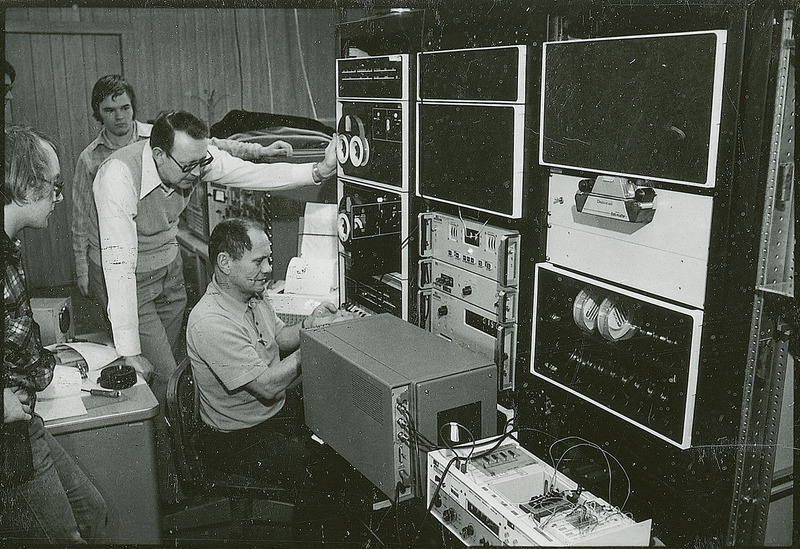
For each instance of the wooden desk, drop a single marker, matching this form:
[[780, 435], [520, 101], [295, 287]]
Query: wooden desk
[[114, 445]]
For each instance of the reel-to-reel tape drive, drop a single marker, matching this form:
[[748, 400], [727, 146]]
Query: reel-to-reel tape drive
[[633, 355], [374, 123], [375, 128]]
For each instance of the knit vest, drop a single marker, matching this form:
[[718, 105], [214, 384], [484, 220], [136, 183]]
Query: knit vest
[[156, 217]]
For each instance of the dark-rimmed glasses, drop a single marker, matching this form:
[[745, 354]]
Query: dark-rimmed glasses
[[202, 163], [58, 186]]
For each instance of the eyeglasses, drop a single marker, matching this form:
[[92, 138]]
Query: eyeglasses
[[203, 162], [58, 186]]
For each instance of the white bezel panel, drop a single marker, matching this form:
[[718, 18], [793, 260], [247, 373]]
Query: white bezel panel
[[692, 366], [667, 257], [518, 169], [716, 110]]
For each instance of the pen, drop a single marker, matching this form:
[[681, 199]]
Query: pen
[[102, 392]]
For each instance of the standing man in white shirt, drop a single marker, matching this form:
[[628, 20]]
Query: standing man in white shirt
[[140, 192], [114, 106]]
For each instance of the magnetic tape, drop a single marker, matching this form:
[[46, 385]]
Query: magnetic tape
[[117, 376]]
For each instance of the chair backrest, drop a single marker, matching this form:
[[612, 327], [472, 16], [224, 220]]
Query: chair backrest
[[183, 415]]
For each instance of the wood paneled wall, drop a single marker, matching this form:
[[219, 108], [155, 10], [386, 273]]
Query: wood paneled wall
[[204, 60], [252, 59]]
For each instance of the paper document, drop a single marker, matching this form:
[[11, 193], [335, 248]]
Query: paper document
[[62, 398], [309, 276], [319, 247], [59, 408], [315, 271], [96, 356], [320, 219]]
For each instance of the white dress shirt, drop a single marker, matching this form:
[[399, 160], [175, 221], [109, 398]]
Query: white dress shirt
[[117, 205]]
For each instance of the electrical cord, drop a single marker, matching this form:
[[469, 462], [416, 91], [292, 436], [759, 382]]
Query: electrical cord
[[606, 454], [404, 242], [450, 463], [238, 58], [397, 489], [464, 223], [415, 435], [605, 457], [268, 59]]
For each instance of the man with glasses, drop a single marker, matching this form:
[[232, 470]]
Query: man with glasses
[[140, 191], [114, 106], [45, 496]]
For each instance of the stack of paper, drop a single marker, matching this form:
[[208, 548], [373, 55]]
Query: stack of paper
[[62, 398]]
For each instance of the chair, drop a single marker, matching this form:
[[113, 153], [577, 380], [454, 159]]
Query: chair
[[199, 482]]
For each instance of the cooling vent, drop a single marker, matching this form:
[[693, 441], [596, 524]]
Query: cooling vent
[[492, 242], [366, 397], [453, 232]]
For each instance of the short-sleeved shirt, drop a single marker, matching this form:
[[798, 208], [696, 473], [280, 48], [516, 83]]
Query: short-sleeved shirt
[[230, 343]]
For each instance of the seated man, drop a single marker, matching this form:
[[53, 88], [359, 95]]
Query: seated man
[[235, 342]]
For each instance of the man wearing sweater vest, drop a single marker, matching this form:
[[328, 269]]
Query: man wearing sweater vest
[[114, 106], [140, 192]]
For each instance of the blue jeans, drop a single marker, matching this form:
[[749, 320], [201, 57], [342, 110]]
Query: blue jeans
[[59, 504]]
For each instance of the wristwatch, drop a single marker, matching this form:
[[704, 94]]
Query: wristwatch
[[316, 174]]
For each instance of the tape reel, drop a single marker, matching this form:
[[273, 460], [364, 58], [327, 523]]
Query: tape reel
[[586, 308], [359, 151], [352, 144], [347, 221], [344, 129], [344, 228], [342, 148], [616, 319]]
